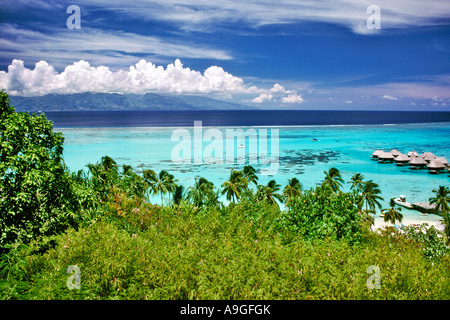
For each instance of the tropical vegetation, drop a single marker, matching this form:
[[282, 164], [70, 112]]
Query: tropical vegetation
[[241, 240]]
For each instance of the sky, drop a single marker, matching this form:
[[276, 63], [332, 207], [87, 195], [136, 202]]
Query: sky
[[285, 54]]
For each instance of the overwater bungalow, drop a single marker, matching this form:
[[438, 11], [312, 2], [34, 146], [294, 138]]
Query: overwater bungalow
[[436, 166], [417, 163], [385, 157], [413, 154], [442, 160], [395, 152], [402, 160], [376, 154], [427, 156]]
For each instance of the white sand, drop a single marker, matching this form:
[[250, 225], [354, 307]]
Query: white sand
[[430, 219]]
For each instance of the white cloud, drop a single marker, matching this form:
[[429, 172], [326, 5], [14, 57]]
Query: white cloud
[[277, 88], [97, 46], [292, 98], [204, 15], [140, 78], [263, 97], [388, 97], [277, 93]]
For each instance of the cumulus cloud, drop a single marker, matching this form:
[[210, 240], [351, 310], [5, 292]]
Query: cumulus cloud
[[263, 97], [388, 97], [140, 78], [292, 98], [279, 93]]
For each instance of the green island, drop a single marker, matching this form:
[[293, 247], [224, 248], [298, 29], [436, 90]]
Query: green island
[[193, 246]]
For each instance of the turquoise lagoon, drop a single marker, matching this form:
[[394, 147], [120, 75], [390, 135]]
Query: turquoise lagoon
[[346, 147]]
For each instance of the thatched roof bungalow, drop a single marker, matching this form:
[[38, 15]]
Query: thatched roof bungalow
[[376, 154], [435, 166], [417, 163], [385, 157], [402, 159]]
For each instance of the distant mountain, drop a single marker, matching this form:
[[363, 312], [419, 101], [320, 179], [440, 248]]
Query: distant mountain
[[92, 101]]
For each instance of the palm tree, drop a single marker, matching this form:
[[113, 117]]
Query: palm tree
[[235, 185], [441, 200], [201, 190], [170, 183], [178, 194], [108, 163], [442, 205], [292, 189], [333, 180], [149, 180], [250, 174], [269, 193], [127, 171], [370, 194], [392, 214], [357, 182]]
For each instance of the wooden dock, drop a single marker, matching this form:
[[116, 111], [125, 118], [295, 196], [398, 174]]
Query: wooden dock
[[424, 207]]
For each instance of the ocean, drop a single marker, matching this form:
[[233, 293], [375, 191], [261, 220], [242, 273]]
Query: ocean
[[308, 142]]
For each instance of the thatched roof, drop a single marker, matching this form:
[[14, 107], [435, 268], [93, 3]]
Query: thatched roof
[[395, 152], [418, 162], [428, 155], [377, 152], [386, 155], [413, 154], [402, 158], [442, 160], [436, 165]]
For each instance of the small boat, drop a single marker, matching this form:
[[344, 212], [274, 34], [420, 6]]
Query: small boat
[[241, 146], [401, 201], [314, 139]]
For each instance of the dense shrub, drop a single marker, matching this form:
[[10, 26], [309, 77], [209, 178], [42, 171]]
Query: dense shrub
[[318, 214], [36, 191], [211, 256]]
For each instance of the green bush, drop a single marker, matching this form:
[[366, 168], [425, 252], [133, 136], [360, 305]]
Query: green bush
[[318, 214], [211, 256], [37, 196]]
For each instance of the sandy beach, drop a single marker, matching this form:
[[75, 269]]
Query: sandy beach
[[430, 219]]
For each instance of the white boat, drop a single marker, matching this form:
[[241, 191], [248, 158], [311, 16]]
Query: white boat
[[401, 201], [241, 146]]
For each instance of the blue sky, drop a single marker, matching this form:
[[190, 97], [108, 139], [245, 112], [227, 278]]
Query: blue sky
[[272, 54]]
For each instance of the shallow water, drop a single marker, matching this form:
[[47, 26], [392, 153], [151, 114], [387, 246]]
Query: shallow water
[[347, 148]]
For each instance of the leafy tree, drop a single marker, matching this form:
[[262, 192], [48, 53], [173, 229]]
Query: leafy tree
[[149, 181], [269, 193], [333, 180], [392, 214], [441, 200], [162, 183], [201, 191], [357, 182], [36, 190], [235, 185], [370, 196], [250, 174], [319, 214], [104, 175], [292, 189], [178, 195]]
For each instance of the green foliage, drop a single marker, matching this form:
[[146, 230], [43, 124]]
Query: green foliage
[[392, 214], [37, 195], [187, 255], [432, 245], [442, 206], [193, 247], [317, 214]]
